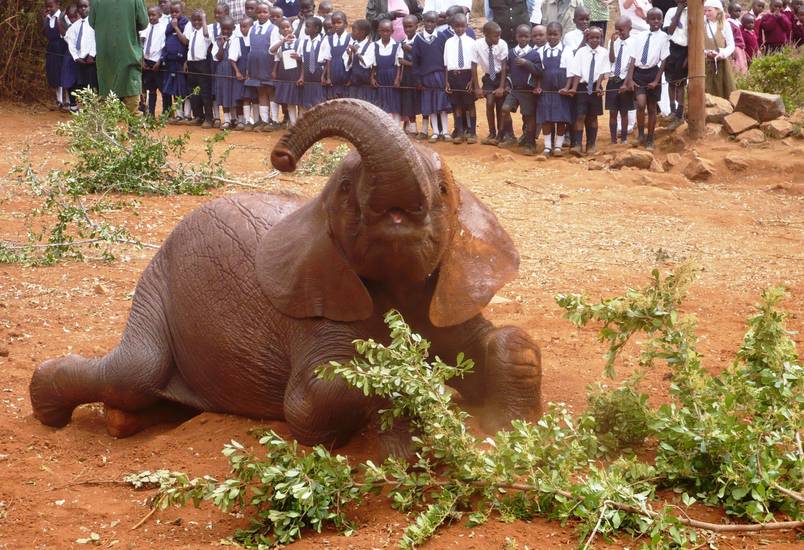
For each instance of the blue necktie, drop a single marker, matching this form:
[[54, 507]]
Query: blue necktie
[[80, 37], [492, 68], [618, 63], [460, 53], [591, 84], [148, 42], [645, 50], [311, 59], [192, 45]]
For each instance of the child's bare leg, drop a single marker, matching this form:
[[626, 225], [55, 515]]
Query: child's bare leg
[[577, 146], [641, 100], [651, 123], [264, 99], [623, 125], [561, 129], [491, 118], [457, 116], [613, 126], [591, 134]]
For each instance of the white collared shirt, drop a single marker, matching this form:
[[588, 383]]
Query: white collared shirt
[[157, 35], [519, 52], [427, 37], [451, 52], [384, 50], [572, 40], [710, 28], [214, 29], [536, 14], [51, 19], [234, 48], [325, 53], [359, 46], [548, 52], [165, 18], [582, 63], [232, 42], [658, 49], [679, 35], [499, 52], [623, 46], [262, 28], [196, 50], [87, 46]]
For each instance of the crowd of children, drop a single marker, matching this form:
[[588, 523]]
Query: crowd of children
[[264, 70]]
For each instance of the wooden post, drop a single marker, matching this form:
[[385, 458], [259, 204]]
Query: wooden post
[[696, 102]]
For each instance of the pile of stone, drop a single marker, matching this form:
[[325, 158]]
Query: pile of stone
[[752, 117]]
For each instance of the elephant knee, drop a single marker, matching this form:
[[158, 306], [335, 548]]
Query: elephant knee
[[324, 412]]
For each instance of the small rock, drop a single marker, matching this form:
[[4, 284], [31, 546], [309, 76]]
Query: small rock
[[734, 97], [735, 163], [699, 169], [499, 300], [594, 165], [798, 116], [789, 142], [751, 137], [101, 290], [777, 129], [717, 108], [713, 129], [656, 167], [634, 158], [3, 352], [738, 122], [671, 161], [759, 106], [505, 157], [540, 158]]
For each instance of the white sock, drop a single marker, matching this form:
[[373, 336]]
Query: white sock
[[434, 123], [59, 92], [188, 109], [444, 123], [559, 141], [548, 141], [226, 117], [265, 113], [275, 111], [425, 128], [247, 114], [292, 114], [631, 120]]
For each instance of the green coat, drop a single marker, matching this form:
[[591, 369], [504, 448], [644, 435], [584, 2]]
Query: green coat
[[119, 61]]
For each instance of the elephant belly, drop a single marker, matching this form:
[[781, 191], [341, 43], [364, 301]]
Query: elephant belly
[[228, 342]]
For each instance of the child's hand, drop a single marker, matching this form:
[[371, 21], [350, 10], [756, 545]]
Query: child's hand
[[220, 40], [479, 94], [623, 89], [447, 88], [374, 83], [295, 55], [537, 91], [629, 85], [185, 67], [407, 48], [499, 92], [599, 91], [156, 66], [614, 36], [652, 85], [90, 59], [519, 62], [300, 82], [397, 83], [325, 81]]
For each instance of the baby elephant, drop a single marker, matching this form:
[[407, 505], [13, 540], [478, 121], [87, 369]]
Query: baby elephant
[[250, 293]]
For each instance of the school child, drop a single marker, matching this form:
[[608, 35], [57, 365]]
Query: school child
[[238, 57], [312, 71], [649, 53], [306, 10], [68, 70], [773, 29], [749, 36], [174, 55], [326, 24], [491, 56], [224, 73], [588, 68], [538, 36], [355, 61], [214, 28], [738, 58], [262, 37], [55, 51], [290, 8], [196, 37], [461, 78], [428, 64], [153, 37], [164, 8], [287, 71], [448, 32], [336, 77], [275, 16], [325, 8], [574, 39], [80, 39], [675, 24], [386, 72], [719, 45], [524, 73], [797, 36], [758, 9], [409, 95], [553, 109], [619, 100], [214, 31]]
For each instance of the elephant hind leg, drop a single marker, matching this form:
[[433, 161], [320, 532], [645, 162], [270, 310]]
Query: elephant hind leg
[[120, 423], [60, 385]]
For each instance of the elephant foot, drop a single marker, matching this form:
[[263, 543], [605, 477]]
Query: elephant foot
[[51, 405], [120, 423], [397, 442]]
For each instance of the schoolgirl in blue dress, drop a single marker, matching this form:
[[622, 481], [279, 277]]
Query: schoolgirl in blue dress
[[386, 70], [287, 71], [336, 77], [313, 71], [174, 57], [224, 71], [428, 63], [69, 69], [409, 94], [56, 49], [239, 56], [263, 35], [355, 59], [214, 31], [554, 107]]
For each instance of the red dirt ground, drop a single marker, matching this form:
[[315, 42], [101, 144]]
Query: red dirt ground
[[576, 230]]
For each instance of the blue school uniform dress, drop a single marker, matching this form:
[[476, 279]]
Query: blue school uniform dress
[[290, 8], [239, 89], [360, 83], [333, 49], [428, 64], [224, 77], [260, 60], [386, 60], [553, 107], [313, 90], [173, 58], [55, 51], [409, 96], [520, 79], [287, 92], [214, 30], [68, 70]]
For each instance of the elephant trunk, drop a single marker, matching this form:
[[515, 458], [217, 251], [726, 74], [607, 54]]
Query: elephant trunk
[[395, 174]]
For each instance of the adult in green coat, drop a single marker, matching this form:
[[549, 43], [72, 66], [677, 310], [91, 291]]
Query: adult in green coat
[[119, 54]]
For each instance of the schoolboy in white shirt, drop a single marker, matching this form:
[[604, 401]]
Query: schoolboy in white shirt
[[588, 68], [461, 77], [491, 56]]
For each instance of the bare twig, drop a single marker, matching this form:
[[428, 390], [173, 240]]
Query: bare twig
[[597, 526], [151, 512], [19, 246]]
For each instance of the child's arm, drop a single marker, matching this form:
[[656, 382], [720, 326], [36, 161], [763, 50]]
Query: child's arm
[[325, 77], [657, 81], [680, 5], [373, 78], [204, 24], [219, 53], [612, 57], [473, 83], [629, 79], [179, 32], [398, 79], [500, 91], [446, 80]]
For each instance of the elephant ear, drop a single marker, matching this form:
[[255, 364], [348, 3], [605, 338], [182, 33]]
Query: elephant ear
[[479, 261], [303, 272]]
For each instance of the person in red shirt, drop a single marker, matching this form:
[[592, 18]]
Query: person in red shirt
[[774, 29], [749, 36]]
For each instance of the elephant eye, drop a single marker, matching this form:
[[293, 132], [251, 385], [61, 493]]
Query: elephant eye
[[346, 185], [442, 188]]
